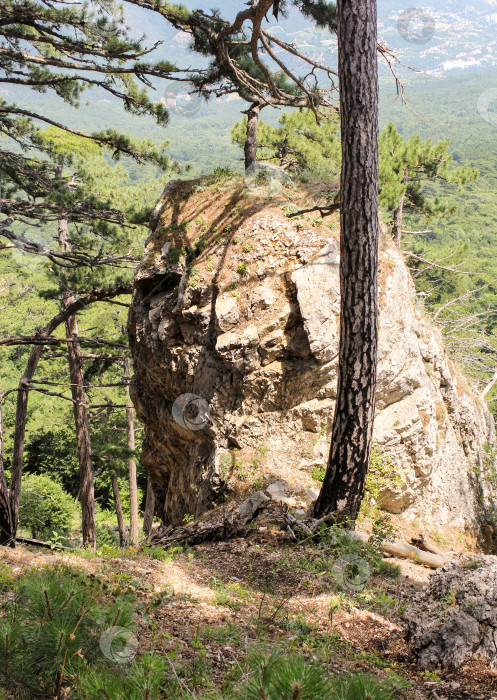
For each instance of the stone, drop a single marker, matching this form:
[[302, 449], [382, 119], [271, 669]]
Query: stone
[[454, 618], [249, 507], [266, 364], [318, 293], [227, 312], [276, 491], [262, 298], [311, 494]]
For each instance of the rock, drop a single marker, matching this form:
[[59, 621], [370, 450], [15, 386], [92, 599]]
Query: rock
[[265, 363], [318, 293], [455, 617], [311, 494], [250, 506], [276, 491], [262, 298], [227, 313]]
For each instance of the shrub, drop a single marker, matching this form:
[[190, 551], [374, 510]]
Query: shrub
[[286, 678], [318, 472], [44, 507], [54, 628], [360, 686]]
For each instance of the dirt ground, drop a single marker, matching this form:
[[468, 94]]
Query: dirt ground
[[219, 599]]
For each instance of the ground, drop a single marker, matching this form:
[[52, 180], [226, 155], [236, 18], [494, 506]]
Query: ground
[[219, 599]]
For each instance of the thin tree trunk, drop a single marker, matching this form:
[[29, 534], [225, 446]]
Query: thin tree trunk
[[343, 485], [87, 493], [133, 488], [23, 391], [119, 510], [398, 216], [250, 148], [20, 432], [148, 517], [7, 533]]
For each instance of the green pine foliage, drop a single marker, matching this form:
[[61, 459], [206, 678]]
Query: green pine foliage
[[45, 509], [299, 144], [147, 678], [407, 166], [52, 631], [286, 678]]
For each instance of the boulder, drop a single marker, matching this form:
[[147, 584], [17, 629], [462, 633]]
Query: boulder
[[454, 619], [260, 348]]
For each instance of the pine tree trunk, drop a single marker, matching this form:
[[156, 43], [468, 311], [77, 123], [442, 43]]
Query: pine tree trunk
[[7, 533], [343, 486], [398, 216], [148, 517], [87, 493], [133, 488], [119, 510], [20, 432], [250, 148]]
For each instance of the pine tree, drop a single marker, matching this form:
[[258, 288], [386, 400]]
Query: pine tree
[[406, 166], [352, 429], [66, 50], [246, 59]]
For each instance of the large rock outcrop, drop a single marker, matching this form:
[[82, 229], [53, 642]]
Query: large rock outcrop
[[234, 334]]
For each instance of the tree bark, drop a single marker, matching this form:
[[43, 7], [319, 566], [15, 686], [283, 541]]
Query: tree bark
[[343, 485], [7, 533], [398, 216], [250, 148], [148, 517], [133, 488], [119, 510], [87, 493], [23, 389]]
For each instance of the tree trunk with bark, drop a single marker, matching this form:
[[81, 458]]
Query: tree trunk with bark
[[133, 487], [347, 468], [119, 509], [24, 383], [87, 493], [148, 517], [7, 533], [250, 148], [20, 432]]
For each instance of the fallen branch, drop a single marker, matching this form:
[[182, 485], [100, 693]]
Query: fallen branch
[[40, 543], [226, 522]]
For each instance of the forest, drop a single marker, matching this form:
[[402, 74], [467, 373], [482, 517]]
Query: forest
[[202, 211]]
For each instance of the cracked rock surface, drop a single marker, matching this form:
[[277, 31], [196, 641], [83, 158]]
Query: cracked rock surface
[[455, 617], [238, 305]]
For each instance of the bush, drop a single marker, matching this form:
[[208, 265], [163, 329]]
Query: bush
[[54, 627], [280, 677], [44, 507]]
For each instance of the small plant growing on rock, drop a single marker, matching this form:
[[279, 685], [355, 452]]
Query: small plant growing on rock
[[242, 269], [174, 255], [318, 472]]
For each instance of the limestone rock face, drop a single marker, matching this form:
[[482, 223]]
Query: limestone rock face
[[237, 306], [455, 618]]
